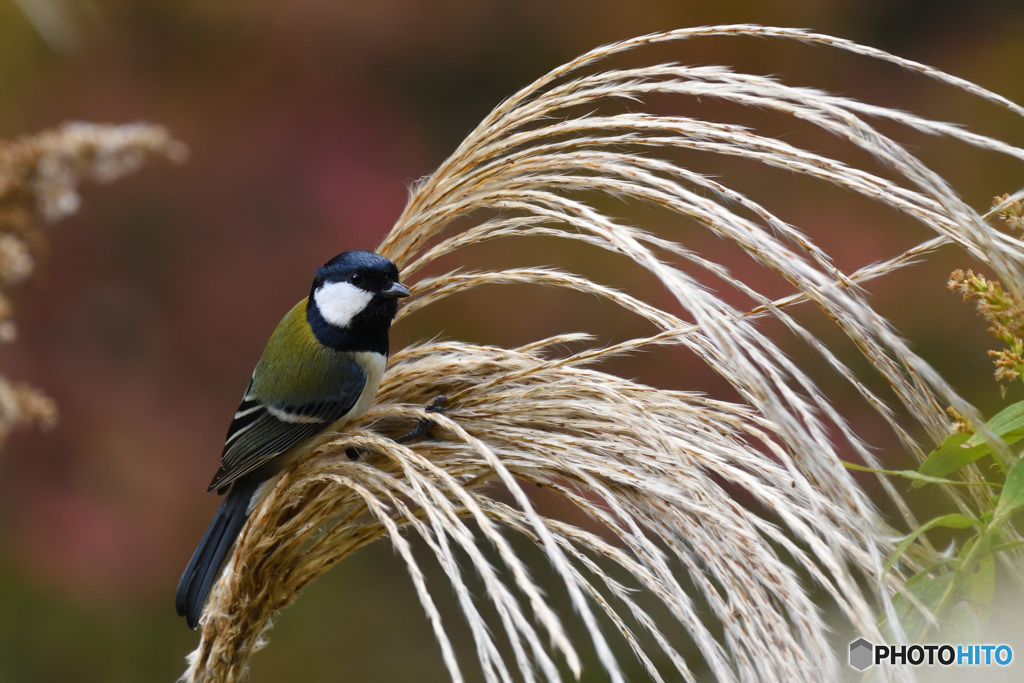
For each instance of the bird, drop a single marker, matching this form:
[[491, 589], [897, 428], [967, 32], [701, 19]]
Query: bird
[[319, 371]]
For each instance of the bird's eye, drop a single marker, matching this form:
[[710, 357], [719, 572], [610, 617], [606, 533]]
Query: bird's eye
[[356, 278]]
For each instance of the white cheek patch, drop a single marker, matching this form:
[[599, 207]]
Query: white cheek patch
[[339, 302]]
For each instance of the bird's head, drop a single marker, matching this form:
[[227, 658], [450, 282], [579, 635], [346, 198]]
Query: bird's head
[[357, 293]]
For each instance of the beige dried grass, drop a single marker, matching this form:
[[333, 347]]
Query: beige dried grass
[[656, 470], [39, 177]]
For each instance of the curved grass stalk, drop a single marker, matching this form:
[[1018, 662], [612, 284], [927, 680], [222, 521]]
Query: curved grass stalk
[[729, 513]]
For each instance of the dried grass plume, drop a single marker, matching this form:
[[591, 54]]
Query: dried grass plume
[[39, 177], [731, 513]]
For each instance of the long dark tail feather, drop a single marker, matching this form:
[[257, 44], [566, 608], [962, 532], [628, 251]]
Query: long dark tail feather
[[207, 560]]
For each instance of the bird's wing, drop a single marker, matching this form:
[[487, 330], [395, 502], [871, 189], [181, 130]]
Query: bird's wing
[[262, 431]]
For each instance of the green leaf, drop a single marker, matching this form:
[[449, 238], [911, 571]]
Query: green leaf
[[959, 450], [1012, 497], [1008, 424], [952, 521], [915, 476], [960, 624], [951, 455], [929, 590], [1009, 545], [980, 585]]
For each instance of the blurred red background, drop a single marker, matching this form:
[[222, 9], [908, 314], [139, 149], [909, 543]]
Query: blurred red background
[[306, 123]]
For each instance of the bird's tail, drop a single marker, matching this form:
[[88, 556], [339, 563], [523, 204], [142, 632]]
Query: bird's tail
[[206, 562]]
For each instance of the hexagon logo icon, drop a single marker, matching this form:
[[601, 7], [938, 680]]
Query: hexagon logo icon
[[861, 654]]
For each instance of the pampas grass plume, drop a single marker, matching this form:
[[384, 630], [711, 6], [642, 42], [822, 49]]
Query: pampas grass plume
[[732, 514]]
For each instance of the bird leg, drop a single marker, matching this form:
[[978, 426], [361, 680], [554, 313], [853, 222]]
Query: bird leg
[[425, 424], [421, 429]]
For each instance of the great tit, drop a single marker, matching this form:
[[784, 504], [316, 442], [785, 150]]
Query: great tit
[[320, 370]]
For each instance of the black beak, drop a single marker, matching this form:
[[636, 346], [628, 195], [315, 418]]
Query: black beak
[[395, 290]]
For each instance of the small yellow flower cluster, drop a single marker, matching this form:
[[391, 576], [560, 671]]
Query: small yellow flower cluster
[[1004, 312], [1011, 211], [960, 423]]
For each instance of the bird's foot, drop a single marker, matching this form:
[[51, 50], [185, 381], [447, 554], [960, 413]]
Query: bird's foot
[[425, 424]]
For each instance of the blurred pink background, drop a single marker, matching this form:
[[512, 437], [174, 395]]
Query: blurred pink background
[[306, 123]]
